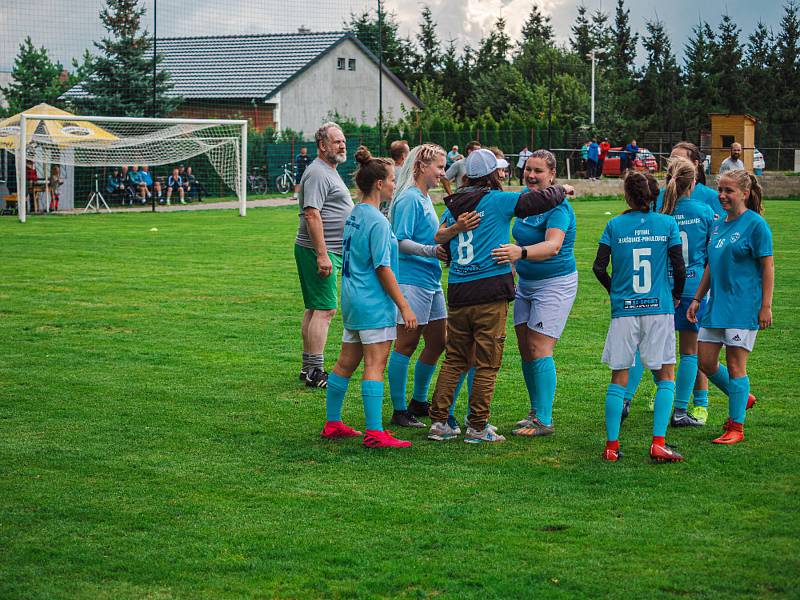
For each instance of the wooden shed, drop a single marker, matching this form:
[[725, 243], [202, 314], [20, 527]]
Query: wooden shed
[[727, 129]]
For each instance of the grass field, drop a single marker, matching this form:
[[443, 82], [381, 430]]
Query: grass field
[[155, 442]]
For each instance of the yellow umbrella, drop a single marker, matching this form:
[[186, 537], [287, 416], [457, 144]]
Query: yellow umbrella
[[62, 133]]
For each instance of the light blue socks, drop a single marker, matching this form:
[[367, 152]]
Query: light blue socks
[[684, 381], [634, 377], [721, 379], [423, 373], [334, 396], [544, 377], [662, 407], [528, 374], [398, 379], [737, 399], [614, 399], [372, 396], [700, 398]]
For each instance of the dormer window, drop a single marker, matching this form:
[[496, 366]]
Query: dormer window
[[340, 64]]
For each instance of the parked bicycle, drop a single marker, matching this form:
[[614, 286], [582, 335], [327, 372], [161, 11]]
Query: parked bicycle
[[285, 181], [257, 183]]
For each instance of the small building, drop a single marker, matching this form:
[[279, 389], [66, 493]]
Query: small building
[[727, 129], [285, 81]]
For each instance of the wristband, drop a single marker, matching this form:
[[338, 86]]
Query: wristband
[[524, 252], [696, 300]]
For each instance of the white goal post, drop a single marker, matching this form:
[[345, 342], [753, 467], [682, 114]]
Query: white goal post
[[89, 141]]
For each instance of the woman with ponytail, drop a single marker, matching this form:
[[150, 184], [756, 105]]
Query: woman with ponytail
[[701, 191], [370, 300], [641, 245], [740, 275], [415, 224]]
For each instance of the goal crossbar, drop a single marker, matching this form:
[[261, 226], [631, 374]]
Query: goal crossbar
[[21, 146]]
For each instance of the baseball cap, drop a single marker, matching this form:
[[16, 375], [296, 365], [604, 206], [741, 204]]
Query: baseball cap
[[481, 162]]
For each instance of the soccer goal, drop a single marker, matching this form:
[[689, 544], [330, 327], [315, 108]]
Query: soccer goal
[[89, 141]]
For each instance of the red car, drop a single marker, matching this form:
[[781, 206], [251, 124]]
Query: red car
[[645, 161]]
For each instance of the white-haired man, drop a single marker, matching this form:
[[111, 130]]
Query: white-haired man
[[325, 204]]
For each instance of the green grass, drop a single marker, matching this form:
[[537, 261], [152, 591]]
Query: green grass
[[155, 442]]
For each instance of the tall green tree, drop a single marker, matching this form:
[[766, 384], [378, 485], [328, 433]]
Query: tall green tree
[[535, 50], [759, 68], [494, 49], [700, 77], [662, 102], [787, 66], [623, 42], [34, 79], [430, 53], [581, 40], [399, 53], [601, 37], [121, 79], [727, 62]]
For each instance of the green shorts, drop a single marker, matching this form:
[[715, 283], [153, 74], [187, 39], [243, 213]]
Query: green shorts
[[319, 293]]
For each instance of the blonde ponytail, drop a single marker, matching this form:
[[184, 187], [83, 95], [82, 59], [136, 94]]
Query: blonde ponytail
[[681, 175]]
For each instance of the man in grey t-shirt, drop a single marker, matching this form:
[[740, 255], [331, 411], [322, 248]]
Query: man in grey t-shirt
[[325, 204], [458, 170], [734, 161]]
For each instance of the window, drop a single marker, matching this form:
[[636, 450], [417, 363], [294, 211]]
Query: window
[[340, 64], [351, 64], [728, 140]]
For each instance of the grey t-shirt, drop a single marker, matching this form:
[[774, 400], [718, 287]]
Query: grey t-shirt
[[457, 171], [321, 187], [729, 165]]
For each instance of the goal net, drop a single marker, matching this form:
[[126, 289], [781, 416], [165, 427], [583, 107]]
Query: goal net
[[86, 141]]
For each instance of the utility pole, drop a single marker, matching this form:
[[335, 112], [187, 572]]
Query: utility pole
[[155, 54], [593, 55], [380, 78]]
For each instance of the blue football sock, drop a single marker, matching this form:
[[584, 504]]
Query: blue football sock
[[737, 400], [634, 377], [334, 396], [545, 379], [398, 379], [700, 398], [530, 382], [423, 373], [470, 377], [614, 400], [372, 396], [721, 379], [662, 407], [684, 381]]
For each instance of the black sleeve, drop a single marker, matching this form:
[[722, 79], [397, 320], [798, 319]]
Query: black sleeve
[[536, 202], [678, 270], [600, 266]]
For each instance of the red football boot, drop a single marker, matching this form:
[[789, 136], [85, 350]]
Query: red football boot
[[734, 433], [612, 452], [337, 429], [751, 400], [383, 439], [664, 453]]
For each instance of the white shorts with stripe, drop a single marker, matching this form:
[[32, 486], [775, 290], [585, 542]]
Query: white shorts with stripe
[[652, 335], [545, 304], [369, 336], [740, 338]]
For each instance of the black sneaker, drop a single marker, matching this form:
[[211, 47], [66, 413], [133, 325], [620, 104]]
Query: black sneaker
[[403, 418], [317, 378], [626, 408], [681, 418], [303, 374], [419, 409]]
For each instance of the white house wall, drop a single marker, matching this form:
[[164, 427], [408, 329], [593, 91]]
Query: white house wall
[[321, 90]]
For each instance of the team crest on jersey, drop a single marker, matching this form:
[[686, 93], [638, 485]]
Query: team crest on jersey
[[534, 220], [735, 237]]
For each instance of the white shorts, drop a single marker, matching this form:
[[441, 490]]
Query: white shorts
[[427, 305], [369, 336], [545, 304], [652, 335], [740, 338]]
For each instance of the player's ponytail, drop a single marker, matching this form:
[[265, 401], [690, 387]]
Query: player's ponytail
[[696, 157], [680, 179], [747, 182], [640, 191], [370, 170]]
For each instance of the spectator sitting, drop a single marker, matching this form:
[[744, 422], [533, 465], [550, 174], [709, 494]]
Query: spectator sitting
[[194, 187], [135, 184], [54, 182], [150, 184], [115, 185], [734, 161], [175, 184]]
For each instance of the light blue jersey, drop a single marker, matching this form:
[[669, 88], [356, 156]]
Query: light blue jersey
[[471, 251], [368, 244], [532, 230], [695, 220], [734, 259], [639, 243], [414, 218], [702, 193]]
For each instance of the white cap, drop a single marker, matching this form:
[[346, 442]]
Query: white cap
[[481, 162]]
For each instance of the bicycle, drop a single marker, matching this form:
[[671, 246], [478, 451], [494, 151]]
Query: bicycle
[[258, 183], [285, 181]]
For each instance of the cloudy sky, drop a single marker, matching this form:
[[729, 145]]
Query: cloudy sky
[[66, 27]]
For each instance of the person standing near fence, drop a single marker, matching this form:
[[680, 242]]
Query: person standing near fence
[[325, 203], [592, 156], [458, 170], [734, 161], [605, 148], [524, 155], [631, 151], [301, 162]]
